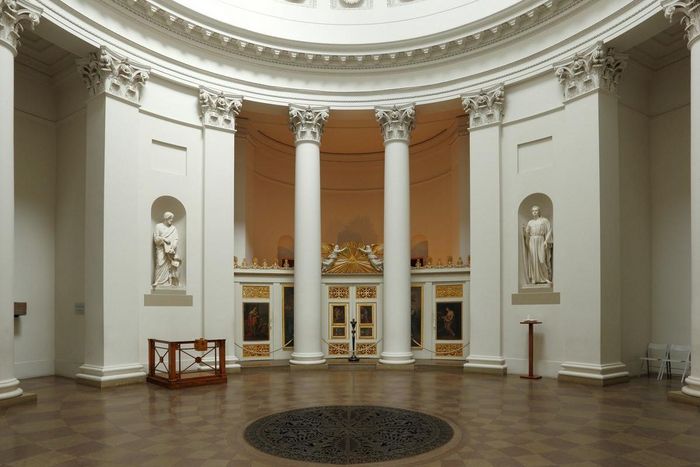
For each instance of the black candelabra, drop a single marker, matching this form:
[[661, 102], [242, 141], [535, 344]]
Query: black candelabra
[[353, 357]]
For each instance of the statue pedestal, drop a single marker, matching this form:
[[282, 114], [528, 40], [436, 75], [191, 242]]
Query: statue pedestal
[[167, 296]]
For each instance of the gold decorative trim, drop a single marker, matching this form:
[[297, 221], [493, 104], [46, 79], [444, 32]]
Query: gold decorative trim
[[366, 292], [338, 349], [366, 349], [256, 350], [449, 291], [449, 350], [352, 258], [256, 291], [335, 292]]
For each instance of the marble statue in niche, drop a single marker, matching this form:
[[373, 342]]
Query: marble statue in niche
[[537, 238], [167, 261]]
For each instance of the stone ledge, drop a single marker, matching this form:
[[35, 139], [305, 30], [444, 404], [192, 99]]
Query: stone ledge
[[600, 382], [536, 298], [25, 398], [679, 396], [162, 299]]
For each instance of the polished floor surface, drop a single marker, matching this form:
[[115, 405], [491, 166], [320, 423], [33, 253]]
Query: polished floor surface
[[497, 421]]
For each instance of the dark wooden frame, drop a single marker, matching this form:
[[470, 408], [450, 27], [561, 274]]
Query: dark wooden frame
[[167, 370]]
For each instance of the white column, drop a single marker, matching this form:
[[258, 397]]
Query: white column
[[485, 109], [11, 20], [689, 11], [307, 125], [218, 112], [111, 231], [593, 350], [397, 123]]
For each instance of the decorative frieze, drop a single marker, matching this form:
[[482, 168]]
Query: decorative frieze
[[366, 292], [336, 292], [449, 291], [690, 16], [449, 350], [307, 122], [218, 109], [366, 349], [338, 349], [13, 17], [256, 350], [104, 71], [396, 122], [596, 68], [256, 291], [486, 107]]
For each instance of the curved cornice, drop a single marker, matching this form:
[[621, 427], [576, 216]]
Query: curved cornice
[[445, 45]]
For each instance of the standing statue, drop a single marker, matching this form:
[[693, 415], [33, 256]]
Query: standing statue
[[376, 262], [167, 262], [537, 238], [330, 260]]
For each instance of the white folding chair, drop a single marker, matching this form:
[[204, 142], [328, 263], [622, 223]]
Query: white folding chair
[[676, 354], [656, 353]]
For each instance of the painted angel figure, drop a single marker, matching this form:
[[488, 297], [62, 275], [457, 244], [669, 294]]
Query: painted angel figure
[[332, 257], [376, 262]]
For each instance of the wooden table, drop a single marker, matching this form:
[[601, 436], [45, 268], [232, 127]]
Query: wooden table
[[531, 347]]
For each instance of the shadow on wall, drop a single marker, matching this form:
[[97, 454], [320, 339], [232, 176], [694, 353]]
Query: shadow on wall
[[359, 229]]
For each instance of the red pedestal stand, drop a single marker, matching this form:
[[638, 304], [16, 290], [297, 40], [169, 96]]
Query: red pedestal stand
[[530, 324]]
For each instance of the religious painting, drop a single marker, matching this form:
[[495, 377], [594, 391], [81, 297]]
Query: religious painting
[[416, 316], [288, 316], [366, 332], [256, 322], [449, 321], [338, 332], [338, 314], [366, 313]]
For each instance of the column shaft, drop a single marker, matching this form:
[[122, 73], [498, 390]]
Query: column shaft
[[692, 383], [9, 385], [397, 254], [307, 262]]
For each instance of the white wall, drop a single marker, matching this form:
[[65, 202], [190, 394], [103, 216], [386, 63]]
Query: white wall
[[70, 227], [35, 185], [669, 143]]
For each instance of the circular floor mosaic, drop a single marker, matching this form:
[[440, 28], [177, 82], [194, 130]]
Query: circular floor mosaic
[[348, 434]]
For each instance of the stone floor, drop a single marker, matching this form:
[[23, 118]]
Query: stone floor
[[497, 421]]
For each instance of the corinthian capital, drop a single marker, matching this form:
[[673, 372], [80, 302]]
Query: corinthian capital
[[596, 68], [486, 107], [13, 16], [218, 109], [396, 122], [690, 16], [307, 122], [104, 71]]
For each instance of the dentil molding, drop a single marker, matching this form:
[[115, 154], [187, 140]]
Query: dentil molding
[[218, 109], [190, 29], [485, 107], [597, 68], [13, 16], [690, 16], [396, 122], [104, 71], [307, 122]]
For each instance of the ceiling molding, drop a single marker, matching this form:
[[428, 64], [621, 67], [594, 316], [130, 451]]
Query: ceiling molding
[[187, 28]]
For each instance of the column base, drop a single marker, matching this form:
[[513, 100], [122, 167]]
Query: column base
[[684, 397], [109, 376], [592, 374], [397, 358], [692, 387], [486, 365], [9, 389], [307, 359]]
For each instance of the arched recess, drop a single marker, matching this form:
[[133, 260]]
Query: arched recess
[[525, 264], [419, 249], [159, 207], [285, 249]]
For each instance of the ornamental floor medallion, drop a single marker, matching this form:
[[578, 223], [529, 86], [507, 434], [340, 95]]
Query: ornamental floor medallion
[[348, 434]]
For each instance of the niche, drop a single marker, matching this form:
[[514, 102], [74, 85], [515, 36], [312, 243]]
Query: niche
[[168, 240], [535, 251]]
